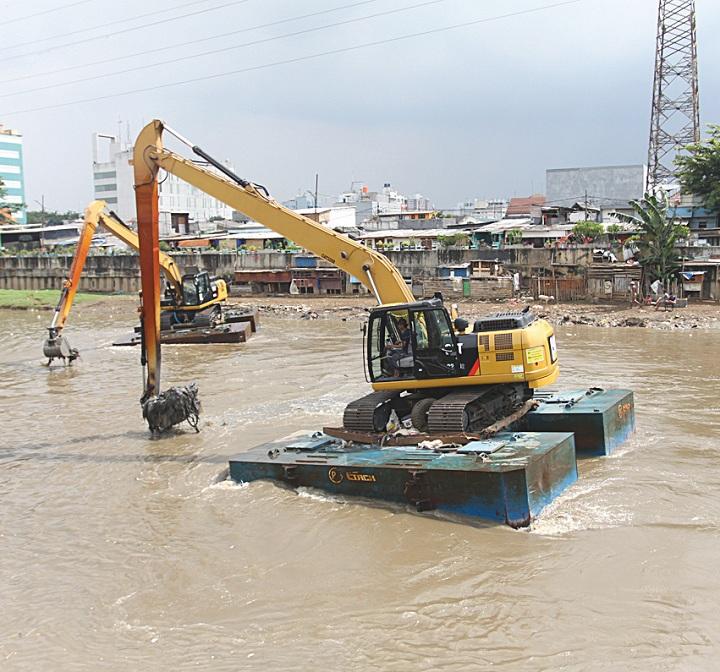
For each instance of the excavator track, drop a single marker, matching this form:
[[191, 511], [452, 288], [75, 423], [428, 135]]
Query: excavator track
[[472, 411], [369, 413]]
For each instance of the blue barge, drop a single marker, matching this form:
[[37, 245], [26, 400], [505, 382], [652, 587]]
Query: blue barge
[[509, 477], [601, 419]]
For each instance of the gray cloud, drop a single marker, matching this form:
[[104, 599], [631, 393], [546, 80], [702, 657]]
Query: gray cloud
[[478, 111]]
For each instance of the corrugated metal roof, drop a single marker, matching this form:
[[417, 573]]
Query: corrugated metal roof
[[406, 233], [523, 205]]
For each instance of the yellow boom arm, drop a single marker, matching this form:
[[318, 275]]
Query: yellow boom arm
[[371, 268], [95, 215]]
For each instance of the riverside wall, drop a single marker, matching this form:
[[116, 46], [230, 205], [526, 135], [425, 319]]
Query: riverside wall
[[102, 273], [121, 272]]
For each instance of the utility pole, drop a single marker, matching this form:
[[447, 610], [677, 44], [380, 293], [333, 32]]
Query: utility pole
[[675, 116], [41, 203], [316, 191]]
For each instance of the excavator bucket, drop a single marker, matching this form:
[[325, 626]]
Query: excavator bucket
[[169, 408], [57, 347]]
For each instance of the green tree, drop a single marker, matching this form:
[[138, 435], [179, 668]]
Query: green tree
[[513, 237], [699, 169], [50, 217], [460, 239], [658, 237], [588, 230], [6, 209]]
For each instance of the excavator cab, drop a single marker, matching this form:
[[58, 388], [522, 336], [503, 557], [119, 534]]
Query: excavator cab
[[412, 341], [198, 289], [450, 381]]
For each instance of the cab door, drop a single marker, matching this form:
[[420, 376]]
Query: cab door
[[435, 346]]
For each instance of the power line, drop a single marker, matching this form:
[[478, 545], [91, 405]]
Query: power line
[[45, 11], [115, 32], [190, 42], [103, 25], [299, 59], [263, 40]]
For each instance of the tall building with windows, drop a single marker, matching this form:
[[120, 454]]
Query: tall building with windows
[[182, 207], [11, 170]]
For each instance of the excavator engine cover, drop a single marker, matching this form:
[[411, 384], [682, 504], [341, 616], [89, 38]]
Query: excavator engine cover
[[504, 321], [172, 407]]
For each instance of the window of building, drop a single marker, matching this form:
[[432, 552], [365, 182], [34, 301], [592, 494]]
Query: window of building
[[111, 200], [106, 187], [106, 176]]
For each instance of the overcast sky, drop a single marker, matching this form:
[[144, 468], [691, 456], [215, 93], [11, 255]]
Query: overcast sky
[[478, 111]]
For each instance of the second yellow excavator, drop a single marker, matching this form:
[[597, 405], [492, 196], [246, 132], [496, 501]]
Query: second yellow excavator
[[417, 363], [193, 299]]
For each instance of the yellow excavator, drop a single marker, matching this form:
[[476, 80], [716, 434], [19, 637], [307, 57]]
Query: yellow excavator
[[191, 299], [417, 363]]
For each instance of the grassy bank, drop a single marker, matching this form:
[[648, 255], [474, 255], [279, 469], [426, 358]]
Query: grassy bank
[[41, 298]]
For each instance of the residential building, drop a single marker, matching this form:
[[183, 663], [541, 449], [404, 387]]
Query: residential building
[[378, 210], [408, 219], [338, 218], [389, 201], [704, 224], [526, 206], [418, 202], [11, 170], [403, 239], [182, 206], [38, 237], [483, 210], [306, 200]]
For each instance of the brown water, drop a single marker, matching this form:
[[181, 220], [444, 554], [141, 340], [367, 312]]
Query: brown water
[[118, 552]]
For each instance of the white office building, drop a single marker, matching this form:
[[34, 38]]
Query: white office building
[[182, 207], [11, 171]]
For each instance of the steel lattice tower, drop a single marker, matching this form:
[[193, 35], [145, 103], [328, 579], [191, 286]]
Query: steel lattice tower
[[675, 119]]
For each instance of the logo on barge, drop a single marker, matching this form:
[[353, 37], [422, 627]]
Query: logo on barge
[[336, 476]]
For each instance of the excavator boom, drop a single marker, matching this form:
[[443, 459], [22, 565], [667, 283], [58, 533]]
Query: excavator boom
[[374, 270]]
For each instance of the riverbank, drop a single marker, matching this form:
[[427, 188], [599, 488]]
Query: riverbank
[[695, 316], [46, 299], [698, 316]]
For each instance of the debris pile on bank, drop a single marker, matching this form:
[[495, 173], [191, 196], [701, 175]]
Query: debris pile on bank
[[702, 316]]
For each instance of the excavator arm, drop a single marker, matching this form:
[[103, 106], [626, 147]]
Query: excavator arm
[[95, 216], [371, 268], [56, 346], [71, 283]]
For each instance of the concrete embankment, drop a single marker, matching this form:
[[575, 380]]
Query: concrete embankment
[[567, 274], [120, 272], [116, 273]]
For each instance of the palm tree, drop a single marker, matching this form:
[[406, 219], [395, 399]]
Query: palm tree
[[658, 237]]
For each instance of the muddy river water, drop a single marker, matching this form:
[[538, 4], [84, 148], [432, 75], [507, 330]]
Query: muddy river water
[[118, 552]]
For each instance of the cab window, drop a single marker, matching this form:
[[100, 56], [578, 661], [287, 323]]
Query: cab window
[[390, 345], [436, 354], [190, 292]]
